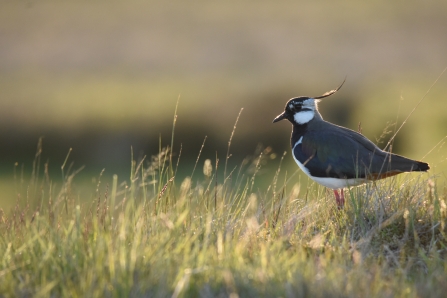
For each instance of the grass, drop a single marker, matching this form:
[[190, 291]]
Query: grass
[[216, 234]]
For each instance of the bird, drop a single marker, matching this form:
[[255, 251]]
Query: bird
[[335, 156]]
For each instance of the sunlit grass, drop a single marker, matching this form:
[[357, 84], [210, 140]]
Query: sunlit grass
[[150, 235]]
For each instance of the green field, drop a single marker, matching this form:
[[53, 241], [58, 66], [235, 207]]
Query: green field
[[100, 77]]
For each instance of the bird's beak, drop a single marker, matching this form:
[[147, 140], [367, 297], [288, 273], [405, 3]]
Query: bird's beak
[[280, 117]]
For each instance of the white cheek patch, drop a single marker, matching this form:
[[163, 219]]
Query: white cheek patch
[[303, 117]]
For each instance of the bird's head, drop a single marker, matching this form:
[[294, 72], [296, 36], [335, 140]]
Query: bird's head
[[301, 110]]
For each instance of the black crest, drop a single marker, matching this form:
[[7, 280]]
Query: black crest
[[329, 93]]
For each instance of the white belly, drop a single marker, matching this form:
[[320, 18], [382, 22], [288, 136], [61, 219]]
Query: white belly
[[337, 183]]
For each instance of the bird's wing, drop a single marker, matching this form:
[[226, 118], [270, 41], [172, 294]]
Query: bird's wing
[[340, 153]]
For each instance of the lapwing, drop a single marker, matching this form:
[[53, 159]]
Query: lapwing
[[335, 156]]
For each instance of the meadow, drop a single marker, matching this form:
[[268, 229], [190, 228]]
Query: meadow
[[191, 211], [220, 233]]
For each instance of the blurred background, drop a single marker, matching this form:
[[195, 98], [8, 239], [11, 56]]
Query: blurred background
[[101, 77]]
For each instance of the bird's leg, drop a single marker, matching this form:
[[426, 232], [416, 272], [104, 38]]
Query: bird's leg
[[339, 199]]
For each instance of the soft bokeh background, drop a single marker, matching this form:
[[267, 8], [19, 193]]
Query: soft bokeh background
[[102, 76]]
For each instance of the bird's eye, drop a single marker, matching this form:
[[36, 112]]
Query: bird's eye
[[295, 106]]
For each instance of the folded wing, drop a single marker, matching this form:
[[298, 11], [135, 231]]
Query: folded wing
[[343, 153]]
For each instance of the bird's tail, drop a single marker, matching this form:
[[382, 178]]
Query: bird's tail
[[393, 164], [399, 163], [421, 166]]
